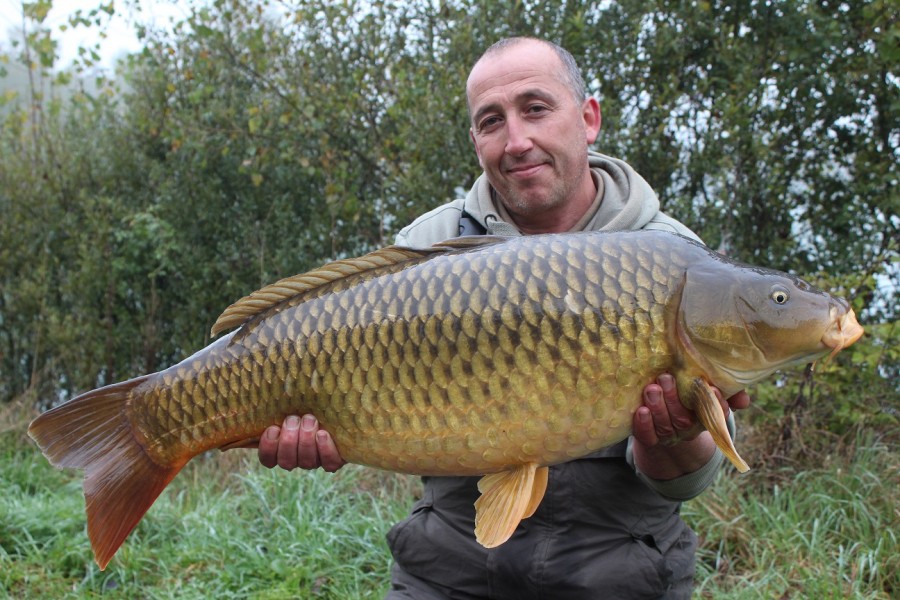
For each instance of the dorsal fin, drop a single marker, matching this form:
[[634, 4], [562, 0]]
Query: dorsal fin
[[289, 287], [471, 241], [249, 306]]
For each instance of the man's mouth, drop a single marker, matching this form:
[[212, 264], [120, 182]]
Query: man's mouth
[[524, 171]]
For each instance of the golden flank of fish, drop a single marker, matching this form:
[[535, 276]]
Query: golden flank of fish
[[480, 356]]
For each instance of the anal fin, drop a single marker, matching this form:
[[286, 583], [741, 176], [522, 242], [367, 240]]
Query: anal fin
[[541, 475], [709, 411], [245, 443], [507, 498]]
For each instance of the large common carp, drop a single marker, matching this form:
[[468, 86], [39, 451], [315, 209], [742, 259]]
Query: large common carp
[[480, 356]]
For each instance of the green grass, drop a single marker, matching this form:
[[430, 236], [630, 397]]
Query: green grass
[[227, 528], [830, 532]]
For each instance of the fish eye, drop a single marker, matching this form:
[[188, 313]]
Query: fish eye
[[780, 295]]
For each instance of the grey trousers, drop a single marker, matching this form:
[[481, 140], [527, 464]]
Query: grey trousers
[[598, 533]]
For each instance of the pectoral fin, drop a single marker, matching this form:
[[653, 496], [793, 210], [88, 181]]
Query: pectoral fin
[[507, 498], [709, 411]]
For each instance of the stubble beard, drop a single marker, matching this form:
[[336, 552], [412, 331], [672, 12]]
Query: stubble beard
[[531, 203]]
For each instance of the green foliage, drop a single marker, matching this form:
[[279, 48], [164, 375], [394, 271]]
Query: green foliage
[[767, 126]]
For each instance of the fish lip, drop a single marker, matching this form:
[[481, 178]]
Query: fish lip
[[844, 330]]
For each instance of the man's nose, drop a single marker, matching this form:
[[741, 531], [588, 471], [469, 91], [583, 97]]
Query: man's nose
[[518, 137]]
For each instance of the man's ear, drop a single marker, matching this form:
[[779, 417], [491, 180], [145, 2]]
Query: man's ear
[[477, 150], [590, 113]]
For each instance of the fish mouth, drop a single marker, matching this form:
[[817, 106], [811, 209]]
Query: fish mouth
[[844, 330]]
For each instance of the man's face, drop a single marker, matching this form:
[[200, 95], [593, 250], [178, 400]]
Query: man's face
[[530, 134]]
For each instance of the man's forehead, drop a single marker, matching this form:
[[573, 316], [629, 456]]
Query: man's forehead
[[515, 71], [528, 58]]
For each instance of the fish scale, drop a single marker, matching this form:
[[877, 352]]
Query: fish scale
[[484, 355]]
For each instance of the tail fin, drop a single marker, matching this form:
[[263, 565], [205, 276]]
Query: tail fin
[[92, 432]]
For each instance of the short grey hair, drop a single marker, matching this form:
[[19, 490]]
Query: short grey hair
[[571, 75]]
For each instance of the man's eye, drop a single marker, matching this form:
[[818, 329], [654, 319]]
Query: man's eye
[[537, 108], [488, 123]]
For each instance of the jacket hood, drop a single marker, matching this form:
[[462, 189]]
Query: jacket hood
[[628, 202]]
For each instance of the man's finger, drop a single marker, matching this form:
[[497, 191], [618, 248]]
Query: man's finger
[[287, 443], [643, 429], [655, 402], [739, 401], [328, 452], [307, 452], [681, 418], [268, 447]]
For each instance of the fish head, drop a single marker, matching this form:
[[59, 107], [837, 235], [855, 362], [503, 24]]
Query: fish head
[[742, 323]]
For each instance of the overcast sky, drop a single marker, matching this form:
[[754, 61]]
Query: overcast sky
[[120, 30]]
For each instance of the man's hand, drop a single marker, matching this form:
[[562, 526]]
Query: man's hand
[[299, 443], [669, 441]]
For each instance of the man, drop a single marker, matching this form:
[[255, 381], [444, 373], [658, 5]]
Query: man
[[608, 526]]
